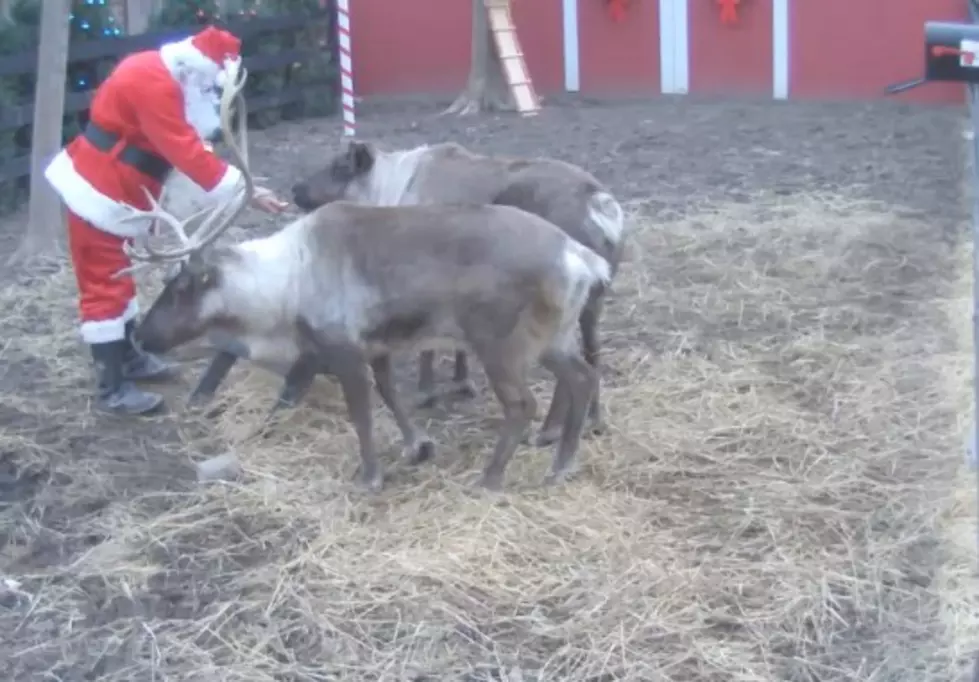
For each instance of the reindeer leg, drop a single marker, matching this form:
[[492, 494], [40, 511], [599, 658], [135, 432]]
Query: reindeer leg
[[588, 323], [507, 377], [215, 373], [353, 373], [553, 424], [426, 380], [580, 379], [298, 380], [462, 385], [418, 447], [356, 385], [550, 430]]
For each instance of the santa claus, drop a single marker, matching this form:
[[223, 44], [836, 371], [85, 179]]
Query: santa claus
[[150, 117]]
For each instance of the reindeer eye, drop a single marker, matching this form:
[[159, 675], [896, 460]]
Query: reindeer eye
[[206, 278]]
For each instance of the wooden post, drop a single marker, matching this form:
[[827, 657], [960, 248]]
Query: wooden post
[[45, 226], [138, 15]]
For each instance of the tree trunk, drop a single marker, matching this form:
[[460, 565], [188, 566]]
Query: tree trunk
[[45, 230], [139, 13], [487, 89]]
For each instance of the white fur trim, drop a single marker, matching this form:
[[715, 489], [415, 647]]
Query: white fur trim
[[184, 198], [229, 65], [88, 203], [605, 212], [197, 75], [187, 64], [106, 331], [226, 189]]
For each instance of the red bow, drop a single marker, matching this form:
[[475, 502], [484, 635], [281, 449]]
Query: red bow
[[616, 9], [729, 11]]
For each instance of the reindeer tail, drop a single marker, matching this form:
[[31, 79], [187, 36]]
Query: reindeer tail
[[585, 268], [586, 275]]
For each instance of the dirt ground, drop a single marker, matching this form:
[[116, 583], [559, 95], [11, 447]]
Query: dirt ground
[[786, 374]]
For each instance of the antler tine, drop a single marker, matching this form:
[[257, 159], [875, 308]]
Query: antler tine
[[179, 229], [158, 214], [220, 218]]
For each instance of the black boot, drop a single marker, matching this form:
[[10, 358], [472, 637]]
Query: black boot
[[139, 365], [116, 394]]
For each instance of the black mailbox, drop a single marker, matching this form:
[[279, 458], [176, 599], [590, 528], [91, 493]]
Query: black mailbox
[[951, 52]]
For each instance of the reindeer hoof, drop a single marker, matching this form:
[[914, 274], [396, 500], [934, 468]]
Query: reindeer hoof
[[547, 437], [428, 401], [419, 452], [597, 426], [558, 476], [371, 481], [464, 389], [491, 482]]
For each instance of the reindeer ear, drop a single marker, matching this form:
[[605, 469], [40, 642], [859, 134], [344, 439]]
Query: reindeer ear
[[360, 156]]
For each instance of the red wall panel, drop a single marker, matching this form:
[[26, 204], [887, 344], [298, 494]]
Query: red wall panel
[[539, 29], [422, 46], [844, 49], [618, 56], [732, 58]]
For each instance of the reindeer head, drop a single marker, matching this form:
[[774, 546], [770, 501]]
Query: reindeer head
[[346, 176], [189, 304]]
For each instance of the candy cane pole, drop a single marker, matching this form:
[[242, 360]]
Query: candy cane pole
[[346, 67]]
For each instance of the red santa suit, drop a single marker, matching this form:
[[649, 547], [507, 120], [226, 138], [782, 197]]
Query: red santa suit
[[156, 108], [150, 116]]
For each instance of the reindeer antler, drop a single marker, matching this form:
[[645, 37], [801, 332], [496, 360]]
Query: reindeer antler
[[213, 221]]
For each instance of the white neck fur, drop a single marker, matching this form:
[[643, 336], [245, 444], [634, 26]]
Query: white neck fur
[[392, 175], [263, 289]]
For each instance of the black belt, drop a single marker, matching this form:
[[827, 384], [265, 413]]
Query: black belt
[[147, 163]]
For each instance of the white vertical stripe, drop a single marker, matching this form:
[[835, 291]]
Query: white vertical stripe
[[572, 73], [666, 49], [780, 49], [346, 67], [681, 43]]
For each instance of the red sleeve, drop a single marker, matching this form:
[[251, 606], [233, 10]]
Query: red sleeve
[[163, 123]]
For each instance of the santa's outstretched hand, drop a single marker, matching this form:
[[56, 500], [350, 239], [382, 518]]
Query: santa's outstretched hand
[[266, 200]]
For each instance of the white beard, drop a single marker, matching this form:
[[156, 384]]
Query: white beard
[[201, 108]]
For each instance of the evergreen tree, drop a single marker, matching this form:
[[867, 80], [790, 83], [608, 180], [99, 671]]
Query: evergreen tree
[[90, 20], [181, 13]]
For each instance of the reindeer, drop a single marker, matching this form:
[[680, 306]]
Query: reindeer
[[343, 287], [562, 193]]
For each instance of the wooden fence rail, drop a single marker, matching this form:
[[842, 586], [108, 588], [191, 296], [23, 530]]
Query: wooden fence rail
[[17, 116]]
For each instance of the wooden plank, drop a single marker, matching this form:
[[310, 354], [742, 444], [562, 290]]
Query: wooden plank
[[15, 168], [516, 74], [507, 46], [500, 20], [276, 99], [13, 117], [138, 15], [45, 215]]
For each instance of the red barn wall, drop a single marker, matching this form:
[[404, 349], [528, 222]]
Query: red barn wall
[[621, 56], [837, 49], [422, 46], [853, 49], [731, 58]]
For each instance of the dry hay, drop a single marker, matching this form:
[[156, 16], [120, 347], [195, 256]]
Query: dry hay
[[767, 506]]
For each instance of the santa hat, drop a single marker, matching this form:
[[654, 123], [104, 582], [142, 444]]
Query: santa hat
[[206, 55], [221, 47]]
